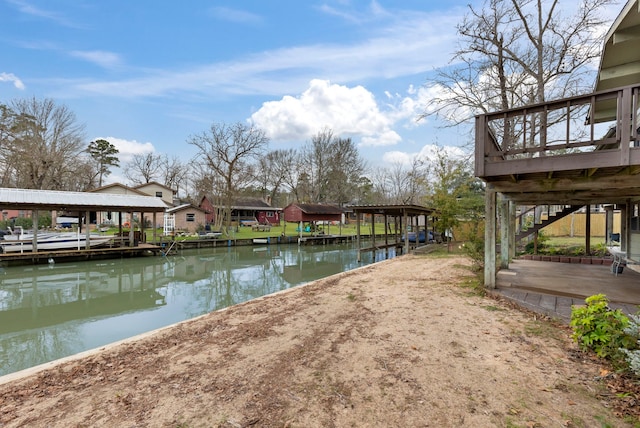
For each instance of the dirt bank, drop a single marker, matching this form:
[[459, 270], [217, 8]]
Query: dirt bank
[[398, 343]]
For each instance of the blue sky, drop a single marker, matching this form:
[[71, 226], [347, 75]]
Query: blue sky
[[147, 74]]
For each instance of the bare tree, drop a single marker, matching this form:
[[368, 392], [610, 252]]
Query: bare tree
[[332, 168], [143, 168], [227, 151], [274, 171], [45, 137], [174, 172], [401, 183], [515, 52]]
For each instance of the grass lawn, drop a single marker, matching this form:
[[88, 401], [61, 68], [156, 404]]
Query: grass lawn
[[570, 246], [289, 230]]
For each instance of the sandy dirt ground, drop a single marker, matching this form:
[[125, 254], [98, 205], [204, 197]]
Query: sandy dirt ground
[[401, 343]]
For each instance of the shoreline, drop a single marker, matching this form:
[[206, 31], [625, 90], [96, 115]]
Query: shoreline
[[396, 343], [50, 365]]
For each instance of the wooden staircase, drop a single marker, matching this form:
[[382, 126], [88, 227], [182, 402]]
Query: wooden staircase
[[551, 218]]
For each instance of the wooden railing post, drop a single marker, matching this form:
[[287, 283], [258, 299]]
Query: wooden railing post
[[481, 144]]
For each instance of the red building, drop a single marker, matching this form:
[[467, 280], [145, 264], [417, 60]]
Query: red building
[[311, 213], [242, 210]]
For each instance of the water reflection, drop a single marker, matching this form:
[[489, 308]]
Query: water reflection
[[48, 312]]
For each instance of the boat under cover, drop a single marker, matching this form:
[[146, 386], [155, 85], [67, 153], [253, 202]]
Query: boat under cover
[[20, 241]]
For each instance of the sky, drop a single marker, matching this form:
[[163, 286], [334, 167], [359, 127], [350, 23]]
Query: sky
[[147, 75]]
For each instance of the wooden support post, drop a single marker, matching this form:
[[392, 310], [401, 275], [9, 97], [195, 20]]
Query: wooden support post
[[504, 232], [155, 228], [405, 231], [512, 230], [386, 236], [490, 238], [87, 232], [608, 224], [35, 215], [587, 232], [625, 210], [358, 235]]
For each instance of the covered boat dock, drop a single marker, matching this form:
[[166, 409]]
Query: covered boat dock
[[37, 201], [402, 217]]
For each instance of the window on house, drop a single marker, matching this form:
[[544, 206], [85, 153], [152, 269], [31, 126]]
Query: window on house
[[191, 217], [270, 214], [158, 194]]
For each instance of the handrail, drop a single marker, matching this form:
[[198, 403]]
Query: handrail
[[555, 128]]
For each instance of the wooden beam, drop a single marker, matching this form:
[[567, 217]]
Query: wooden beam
[[628, 34], [619, 71], [618, 182], [576, 161]]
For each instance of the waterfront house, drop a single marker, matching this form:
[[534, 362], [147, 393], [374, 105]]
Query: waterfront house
[[244, 210], [153, 188], [186, 218], [570, 153]]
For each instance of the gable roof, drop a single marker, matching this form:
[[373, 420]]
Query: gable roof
[[245, 203], [182, 207], [153, 183], [319, 208], [117, 185]]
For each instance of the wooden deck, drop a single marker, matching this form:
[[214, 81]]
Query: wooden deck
[[547, 154], [573, 280]]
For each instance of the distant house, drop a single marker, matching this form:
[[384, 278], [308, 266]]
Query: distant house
[[185, 218], [244, 209], [312, 213], [8, 214], [113, 217], [158, 190]]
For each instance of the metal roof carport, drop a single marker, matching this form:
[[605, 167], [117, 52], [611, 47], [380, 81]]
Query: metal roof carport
[[56, 200]]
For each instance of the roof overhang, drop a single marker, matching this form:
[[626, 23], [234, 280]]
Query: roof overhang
[[393, 210], [31, 199], [620, 60]]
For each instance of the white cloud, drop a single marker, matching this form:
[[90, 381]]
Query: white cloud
[[409, 43], [29, 9], [101, 58], [346, 111], [10, 77], [427, 153], [127, 149], [235, 15]]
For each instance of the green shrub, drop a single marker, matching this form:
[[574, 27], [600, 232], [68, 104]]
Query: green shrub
[[598, 328]]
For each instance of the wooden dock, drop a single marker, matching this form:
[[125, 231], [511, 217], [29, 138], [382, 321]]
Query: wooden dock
[[44, 257], [324, 239]]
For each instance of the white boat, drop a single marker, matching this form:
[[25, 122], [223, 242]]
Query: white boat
[[20, 241]]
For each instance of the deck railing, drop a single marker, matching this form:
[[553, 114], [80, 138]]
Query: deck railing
[[573, 133]]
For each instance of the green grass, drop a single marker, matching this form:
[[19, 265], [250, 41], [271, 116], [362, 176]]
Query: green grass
[[573, 241], [569, 246], [288, 230]]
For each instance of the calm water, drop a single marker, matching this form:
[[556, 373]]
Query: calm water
[[49, 312]]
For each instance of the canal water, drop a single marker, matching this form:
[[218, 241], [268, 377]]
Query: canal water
[[50, 312]]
